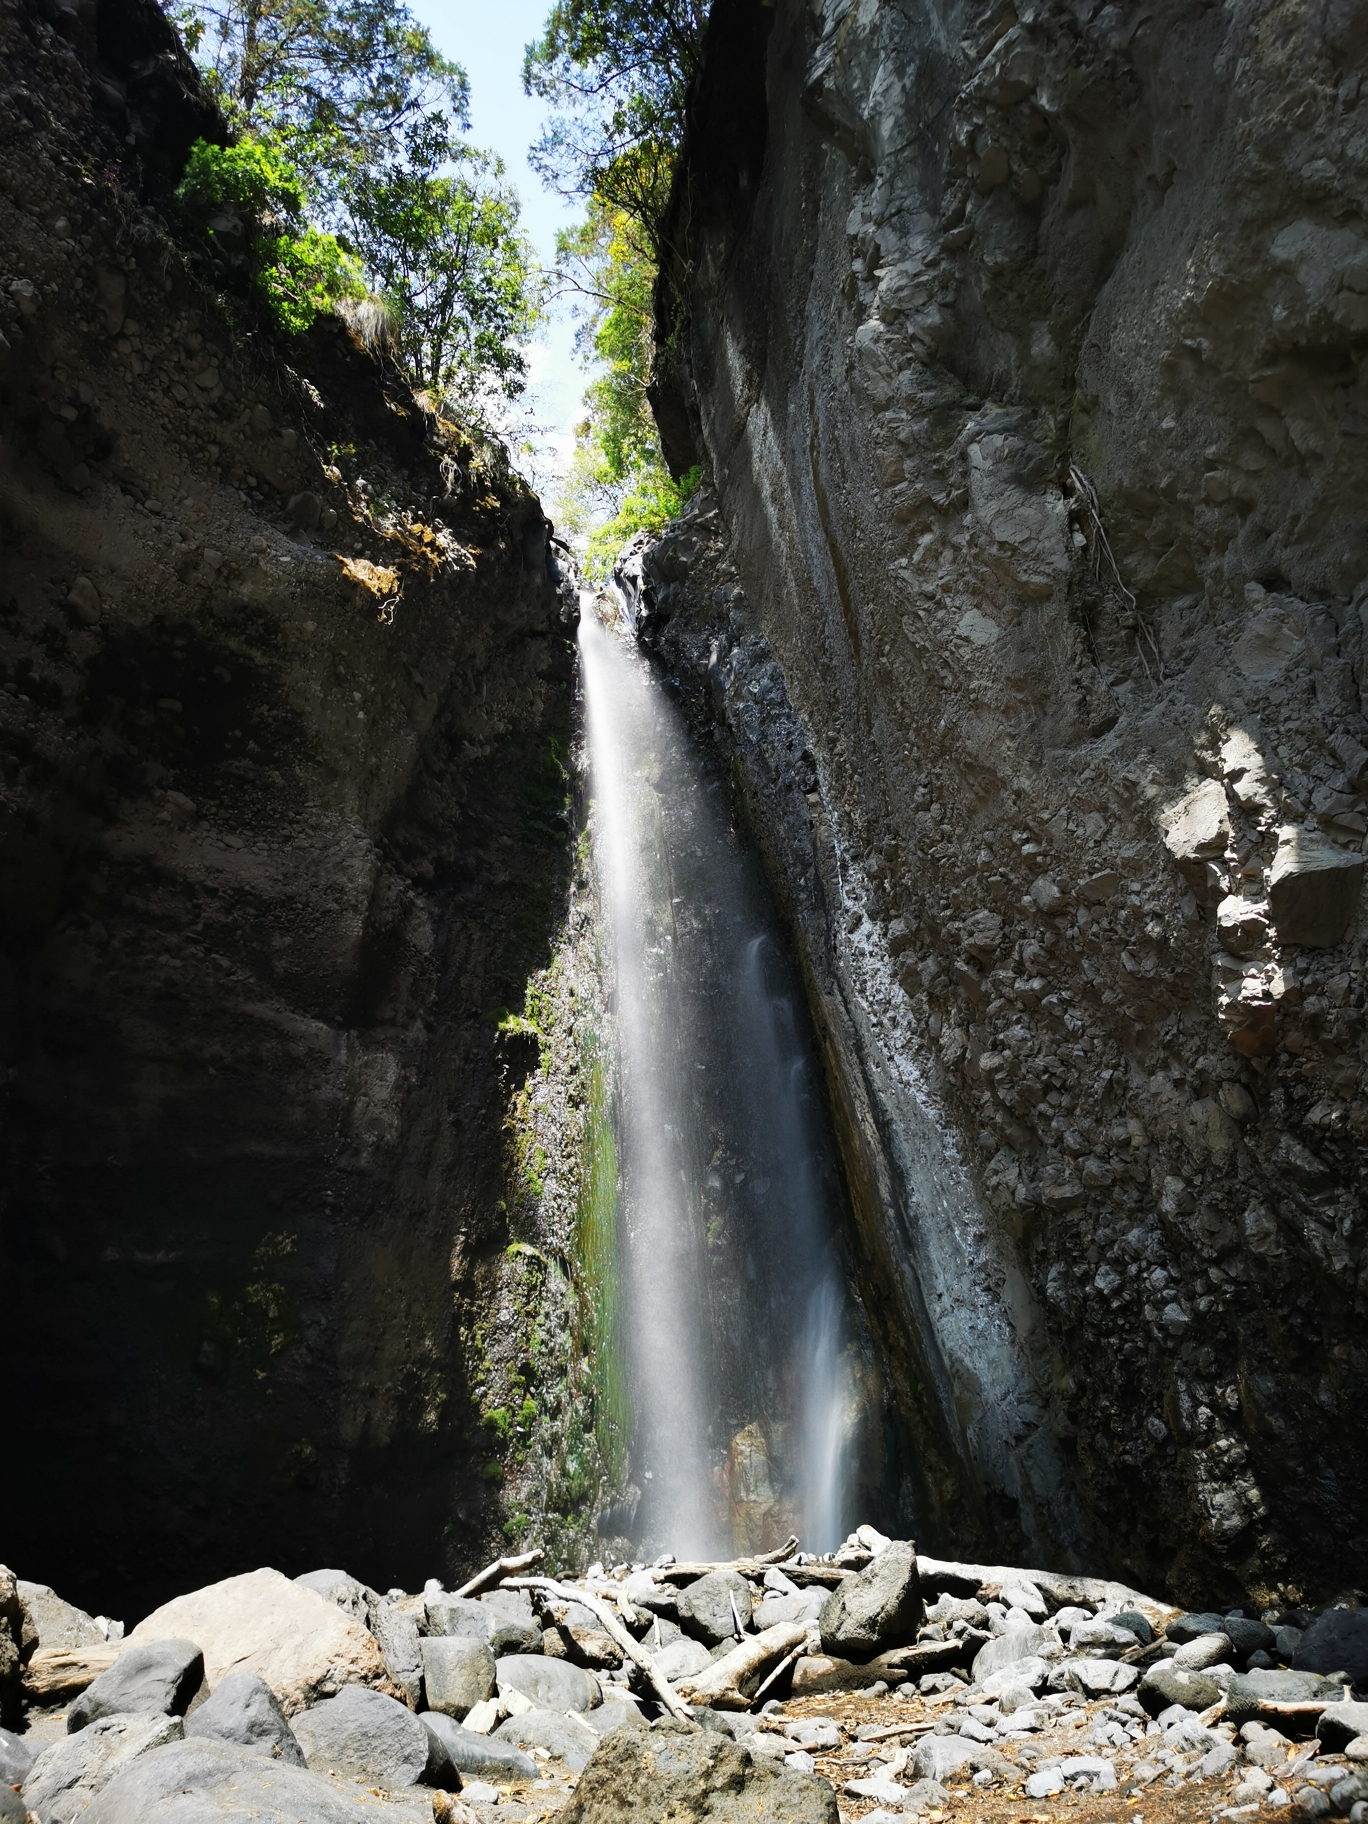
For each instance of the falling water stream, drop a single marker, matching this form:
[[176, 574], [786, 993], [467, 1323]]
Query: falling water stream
[[739, 1327]]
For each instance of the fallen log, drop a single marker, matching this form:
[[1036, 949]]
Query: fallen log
[[939, 1575], [55, 1674], [730, 1683], [501, 1567], [615, 1631]]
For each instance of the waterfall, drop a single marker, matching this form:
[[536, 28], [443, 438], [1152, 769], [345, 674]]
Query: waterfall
[[738, 1322]]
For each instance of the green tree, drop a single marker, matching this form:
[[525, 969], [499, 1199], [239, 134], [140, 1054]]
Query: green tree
[[340, 85], [447, 254], [616, 74]]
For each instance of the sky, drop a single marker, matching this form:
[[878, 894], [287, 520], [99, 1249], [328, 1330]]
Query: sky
[[488, 38]]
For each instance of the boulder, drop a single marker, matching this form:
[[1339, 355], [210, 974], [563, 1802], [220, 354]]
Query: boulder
[[11, 1637], [1341, 1724], [50, 1622], [1292, 1702], [1206, 1650], [879, 1607], [939, 1757], [17, 1755], [368, 1736], [302, 1645], [1313, 888], [458, 1672], [806, 1606], [1163, 1685], [512, 1626], [688, 1778], [706, 1606], [1248, 1637], [1135, 1625], [156, 1678], [682, 1659], [199, 1781], [1336, 1641], [478, 1755], [615, 1715], [1184, 1628], [351, 1596], [1094, 1677], [458, 1617], [1015, 1644], [1196, 832], [396, 1635], [552, 1684], [243, 1711], [926, 1795], [12, 1807], [67, 1775], [564, 1736], [1017, 1675]]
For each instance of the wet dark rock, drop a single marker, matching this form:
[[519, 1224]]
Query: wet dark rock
[[244, 1711], [687, 1778], [1336, 1641], [1247, 1636], [160, 1678]]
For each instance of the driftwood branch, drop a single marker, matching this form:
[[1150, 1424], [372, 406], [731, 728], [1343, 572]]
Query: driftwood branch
[[779, 1671], [501, 1567], [724, 1683], [613, 1627]]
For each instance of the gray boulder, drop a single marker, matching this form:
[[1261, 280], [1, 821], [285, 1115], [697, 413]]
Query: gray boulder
[[68, 1774], [1340, 1724], [881, 1607], [554, 1684], [458, 1673], [1187, 1627], [1006, 1649], [1165, 1684], [570, 1741], [687, 1778], [244, 1711], [367, 1736], [48, 1621], [396, 1635], [198, 1782], [158, 1679], [1248, 1636], [348, 1593], [611, 1715], [12, 1807], [1135, 1623], [705, 1607], [17, 1755], [938, 1757], [926, 1795], [806, 1606], [512, 1626], [478, 1755], [458, 1617], [1290, 1701], [1336, 1641], [684, 1658]]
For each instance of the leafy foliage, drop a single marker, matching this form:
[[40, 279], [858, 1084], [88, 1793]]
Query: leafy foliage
[[340, 85], [299, 270], [616, 73], [448, 255]]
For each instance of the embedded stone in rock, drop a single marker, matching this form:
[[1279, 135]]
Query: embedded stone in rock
[[686, 1779], [303, 1646], [367, 1736], [554, 1684], [1046, 894], [198, 1781], [682, 1659], [571, 1741], [705, 1607], [84, 597], [458, 1673], [1336, 1641], [160, 1678], [66, 1776], [304, 509], [1196, 831], [1341, 1724], [477, 1754], [243, 1710], [1162, 1685], [879, 1607], [1241, 924], [1313, 889]]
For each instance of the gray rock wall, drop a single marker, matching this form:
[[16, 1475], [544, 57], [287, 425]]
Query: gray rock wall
[[1024, 353]]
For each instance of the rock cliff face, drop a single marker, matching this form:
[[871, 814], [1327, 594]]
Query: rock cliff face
[[1024, 350], [284, 819]]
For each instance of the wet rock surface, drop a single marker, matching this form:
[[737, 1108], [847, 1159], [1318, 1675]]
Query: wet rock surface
[[1045, 703]]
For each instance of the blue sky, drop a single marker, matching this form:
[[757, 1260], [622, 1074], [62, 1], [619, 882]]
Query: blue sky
[[489, 40]]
